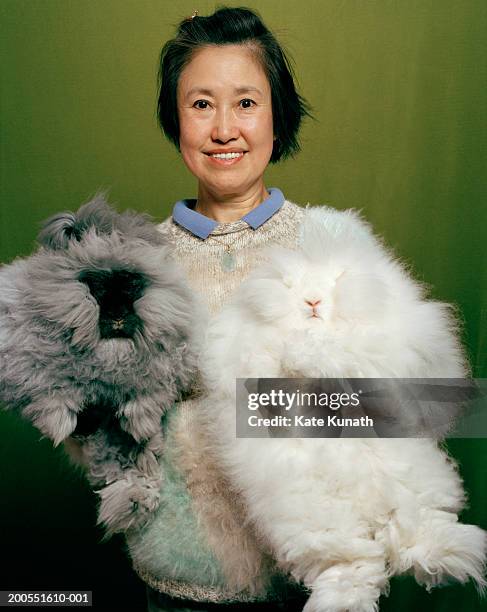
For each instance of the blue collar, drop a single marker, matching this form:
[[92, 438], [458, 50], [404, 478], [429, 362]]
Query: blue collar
[[201, 226]]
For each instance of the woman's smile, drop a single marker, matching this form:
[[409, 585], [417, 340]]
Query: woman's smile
[[225, 159]]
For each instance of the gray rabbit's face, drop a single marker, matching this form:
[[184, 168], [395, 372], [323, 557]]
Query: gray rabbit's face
[[116, 292], [116, 298]]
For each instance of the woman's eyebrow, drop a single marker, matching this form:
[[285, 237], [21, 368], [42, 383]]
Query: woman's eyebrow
[[246, 88], [208, 92], [200, 90]]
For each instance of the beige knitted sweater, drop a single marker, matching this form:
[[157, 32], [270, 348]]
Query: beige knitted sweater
[[247, 568], [203, 259]]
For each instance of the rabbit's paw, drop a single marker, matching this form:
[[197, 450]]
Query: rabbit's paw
[[128, 503], [348, 588], [446, 550], [54, 416], [141, 418]]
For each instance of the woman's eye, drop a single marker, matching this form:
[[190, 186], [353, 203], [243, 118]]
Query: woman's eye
[[246, 103], [201, 104]]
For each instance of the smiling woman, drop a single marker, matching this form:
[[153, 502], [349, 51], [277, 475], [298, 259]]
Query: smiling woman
[[226, 129], [228, 102]]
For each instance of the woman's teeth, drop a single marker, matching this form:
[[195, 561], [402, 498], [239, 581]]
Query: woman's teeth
[[226, 155]]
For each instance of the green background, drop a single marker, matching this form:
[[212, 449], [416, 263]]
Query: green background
[[398, 90]]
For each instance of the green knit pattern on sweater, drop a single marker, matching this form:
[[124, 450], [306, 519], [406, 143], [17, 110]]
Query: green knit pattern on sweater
[[172, 545]]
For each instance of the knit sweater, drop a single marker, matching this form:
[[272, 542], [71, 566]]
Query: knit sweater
[[203, 260], [200, 545]]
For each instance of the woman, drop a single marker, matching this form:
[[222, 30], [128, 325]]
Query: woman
[[228, 102]]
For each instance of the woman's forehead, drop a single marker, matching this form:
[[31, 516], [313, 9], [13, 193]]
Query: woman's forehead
[[223, 69]]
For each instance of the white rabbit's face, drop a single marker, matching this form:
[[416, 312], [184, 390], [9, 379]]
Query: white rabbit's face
[[298, 294], [294, 294], [311, 296]]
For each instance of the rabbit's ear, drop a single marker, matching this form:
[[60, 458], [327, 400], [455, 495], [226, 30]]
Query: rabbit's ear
[[61, 228], [58, 230], [99, 214]]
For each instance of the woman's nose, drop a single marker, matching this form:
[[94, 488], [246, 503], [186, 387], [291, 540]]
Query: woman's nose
[[225, 127]]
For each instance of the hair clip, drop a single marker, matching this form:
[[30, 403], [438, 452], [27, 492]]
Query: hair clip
[[191, 17]]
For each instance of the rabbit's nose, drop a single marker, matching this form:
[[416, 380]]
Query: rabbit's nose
[[313, 304]]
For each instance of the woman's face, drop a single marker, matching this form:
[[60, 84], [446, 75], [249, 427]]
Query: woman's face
[[224, 106]]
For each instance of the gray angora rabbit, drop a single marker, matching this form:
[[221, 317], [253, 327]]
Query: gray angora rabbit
[[97, 338]]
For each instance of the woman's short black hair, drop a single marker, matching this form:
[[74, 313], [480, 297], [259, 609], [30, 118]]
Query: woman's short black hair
[[230, 26]]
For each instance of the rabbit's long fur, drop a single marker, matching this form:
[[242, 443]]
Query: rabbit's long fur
[[342, 515], [97, 339]]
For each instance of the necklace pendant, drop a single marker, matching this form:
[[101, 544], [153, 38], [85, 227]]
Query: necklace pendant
[[228, 262]]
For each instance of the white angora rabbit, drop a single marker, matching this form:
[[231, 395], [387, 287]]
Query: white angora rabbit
[[342, 515]]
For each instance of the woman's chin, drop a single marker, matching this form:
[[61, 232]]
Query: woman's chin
[[228, 184]]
